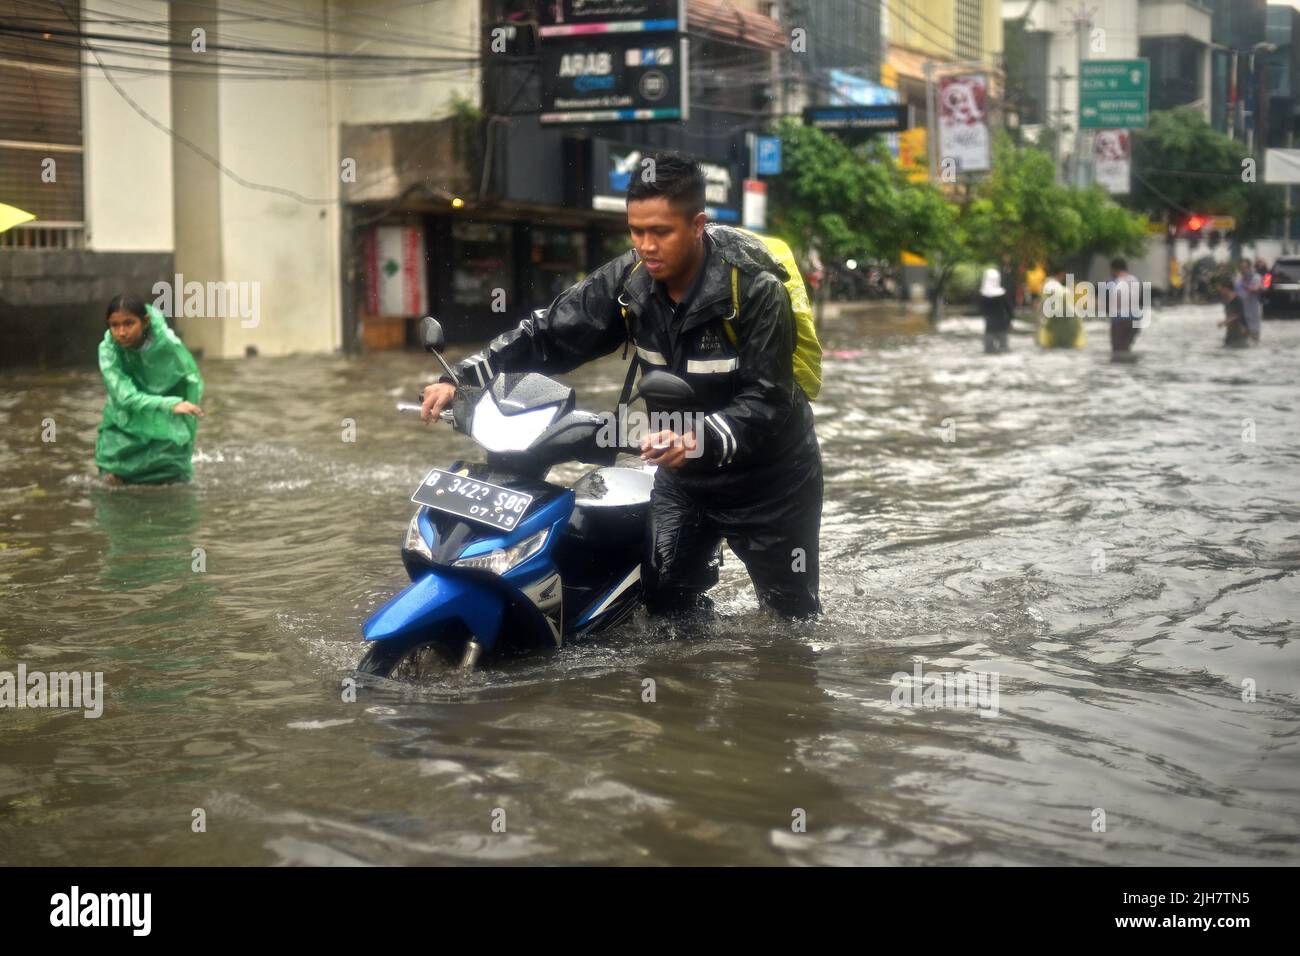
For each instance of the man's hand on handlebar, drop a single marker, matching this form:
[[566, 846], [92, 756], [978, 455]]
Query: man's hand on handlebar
[[667, 449], [436, 397]]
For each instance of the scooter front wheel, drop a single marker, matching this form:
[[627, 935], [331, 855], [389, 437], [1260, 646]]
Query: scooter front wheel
[[421, 658]]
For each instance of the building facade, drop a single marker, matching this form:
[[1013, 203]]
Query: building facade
[[316, 176], [1209, 55]]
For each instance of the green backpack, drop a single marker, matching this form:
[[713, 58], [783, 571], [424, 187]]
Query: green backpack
[[807, 349]]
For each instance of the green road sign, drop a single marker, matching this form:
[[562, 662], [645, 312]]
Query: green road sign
[[1113, 94]]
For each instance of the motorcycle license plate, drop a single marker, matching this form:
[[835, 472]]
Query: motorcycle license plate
[[466, 497]]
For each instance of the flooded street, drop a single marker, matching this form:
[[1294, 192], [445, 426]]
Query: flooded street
[[1117, 543]]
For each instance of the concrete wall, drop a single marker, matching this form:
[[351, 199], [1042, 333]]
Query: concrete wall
[[128, 160], [1174, 18], [52, 302], [197, 196], [441, 28], [266, 221], [279, 134], [275, 233]]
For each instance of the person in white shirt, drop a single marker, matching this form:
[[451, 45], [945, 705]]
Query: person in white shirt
[[1124, 302]]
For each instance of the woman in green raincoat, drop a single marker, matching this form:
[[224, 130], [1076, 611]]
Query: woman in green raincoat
[[151, 417]]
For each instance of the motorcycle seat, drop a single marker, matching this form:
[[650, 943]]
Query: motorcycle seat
[[614, 487]]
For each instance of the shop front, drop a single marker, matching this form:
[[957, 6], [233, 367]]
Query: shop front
[[487, 264]]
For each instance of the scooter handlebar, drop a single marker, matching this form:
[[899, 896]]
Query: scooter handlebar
[[446, 415]]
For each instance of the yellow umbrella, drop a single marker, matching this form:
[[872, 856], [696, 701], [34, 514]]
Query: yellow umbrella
[[11, 216]]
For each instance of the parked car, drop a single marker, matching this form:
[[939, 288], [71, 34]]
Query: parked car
[[1282, 289]]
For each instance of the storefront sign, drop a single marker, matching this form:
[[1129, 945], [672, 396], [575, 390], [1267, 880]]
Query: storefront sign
[[870, 119], [849, 89], [563, 18], [614, 78], [614, 164], [769, 156]]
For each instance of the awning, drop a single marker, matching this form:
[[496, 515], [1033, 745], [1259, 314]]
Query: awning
[[909, 63], [724, 18], [11, 216]]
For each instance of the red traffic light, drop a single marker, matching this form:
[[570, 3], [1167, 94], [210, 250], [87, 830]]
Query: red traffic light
[[1194, 223]]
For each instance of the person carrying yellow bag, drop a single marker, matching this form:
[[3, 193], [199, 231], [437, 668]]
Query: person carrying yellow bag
[[151, 417], [714, 306]]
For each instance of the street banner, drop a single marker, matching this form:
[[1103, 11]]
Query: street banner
[[963, 122], [394, 264], [1112, 160], [614, 78]]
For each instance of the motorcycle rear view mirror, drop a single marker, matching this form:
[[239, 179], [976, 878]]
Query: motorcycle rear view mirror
[[433, 340], [665, 388], [431, 336]]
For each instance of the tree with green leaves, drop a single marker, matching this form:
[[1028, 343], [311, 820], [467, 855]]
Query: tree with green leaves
[[855, 201], [1182, 165], [1019, 211], [849, 201]]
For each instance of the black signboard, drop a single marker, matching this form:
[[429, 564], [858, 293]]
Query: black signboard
[[869, 119], [614, 78], [574, 17], [614, 164]]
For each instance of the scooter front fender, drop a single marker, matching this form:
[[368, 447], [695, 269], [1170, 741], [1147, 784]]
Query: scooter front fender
[[435, 598]]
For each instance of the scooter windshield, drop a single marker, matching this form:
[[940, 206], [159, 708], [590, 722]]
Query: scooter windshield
[[500, 433]]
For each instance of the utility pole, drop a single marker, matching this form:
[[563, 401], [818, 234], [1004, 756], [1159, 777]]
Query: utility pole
[[932, 149], [1060, 77], [1082, 20], [1233, 98]]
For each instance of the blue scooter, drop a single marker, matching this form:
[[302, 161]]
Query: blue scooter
[[496, 554]]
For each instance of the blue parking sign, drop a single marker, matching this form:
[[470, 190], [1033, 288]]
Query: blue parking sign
[[769, 156]]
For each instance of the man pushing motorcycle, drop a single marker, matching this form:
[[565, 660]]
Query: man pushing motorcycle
[[709, 304]]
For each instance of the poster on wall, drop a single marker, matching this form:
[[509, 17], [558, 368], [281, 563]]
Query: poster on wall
[[963, 122], [1112, 160], [394, 262]]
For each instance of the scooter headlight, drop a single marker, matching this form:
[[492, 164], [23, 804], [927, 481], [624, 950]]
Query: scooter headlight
[[500, 561], [415, 542]]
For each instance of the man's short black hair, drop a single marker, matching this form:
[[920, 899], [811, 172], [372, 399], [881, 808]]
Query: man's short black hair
[[675, 176], [1118, 265]]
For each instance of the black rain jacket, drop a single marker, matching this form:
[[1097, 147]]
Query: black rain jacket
[[754, 411]]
